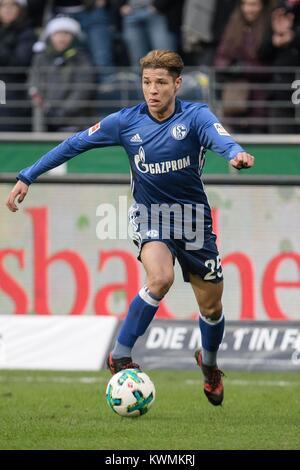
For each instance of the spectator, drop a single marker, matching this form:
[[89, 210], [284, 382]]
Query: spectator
[[239, 47], [16, 40], [96, 23], [173, 10], [281, 48], [36, 9], [119, 46], [61, 77], [203, 24], [145, 27], [221, 17]]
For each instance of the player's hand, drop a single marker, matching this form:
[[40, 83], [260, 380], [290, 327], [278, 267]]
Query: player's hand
[[242, 160], [20, 190]]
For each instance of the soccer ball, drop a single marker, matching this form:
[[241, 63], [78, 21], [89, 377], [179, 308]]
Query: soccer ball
[[130, 392]]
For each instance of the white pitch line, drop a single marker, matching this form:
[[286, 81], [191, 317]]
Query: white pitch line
[[62, 379], [246, 383], [94, 380]]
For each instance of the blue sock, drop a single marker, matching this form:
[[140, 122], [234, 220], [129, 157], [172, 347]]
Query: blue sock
[[211, 337], [140, 314]]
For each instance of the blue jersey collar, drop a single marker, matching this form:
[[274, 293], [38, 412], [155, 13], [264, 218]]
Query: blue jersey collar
[[178, 109]]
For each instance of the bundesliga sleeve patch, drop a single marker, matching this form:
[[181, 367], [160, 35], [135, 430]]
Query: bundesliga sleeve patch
[[94, 128], [220, 129]]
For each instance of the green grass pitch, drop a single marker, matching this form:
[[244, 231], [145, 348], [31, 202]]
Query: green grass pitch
[[68, 410]]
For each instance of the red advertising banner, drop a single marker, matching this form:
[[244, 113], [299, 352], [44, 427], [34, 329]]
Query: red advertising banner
[[53, 262]]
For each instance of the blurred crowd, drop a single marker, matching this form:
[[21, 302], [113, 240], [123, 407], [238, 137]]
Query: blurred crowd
[[56, 43]]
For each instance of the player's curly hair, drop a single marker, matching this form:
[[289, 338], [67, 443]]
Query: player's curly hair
[[163, 59]]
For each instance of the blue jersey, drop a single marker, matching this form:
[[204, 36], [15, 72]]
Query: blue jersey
[[166, 157]]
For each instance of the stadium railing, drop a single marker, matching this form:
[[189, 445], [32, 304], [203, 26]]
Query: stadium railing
[[265, 98]]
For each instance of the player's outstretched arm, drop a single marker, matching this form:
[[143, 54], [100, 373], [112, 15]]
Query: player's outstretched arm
[[242, 160], [20, 189], [102, 134]]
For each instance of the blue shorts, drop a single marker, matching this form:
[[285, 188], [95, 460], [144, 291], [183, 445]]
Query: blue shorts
[[204, 262]]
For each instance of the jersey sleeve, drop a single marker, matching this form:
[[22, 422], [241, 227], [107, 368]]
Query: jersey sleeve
[[103, 134], [213, 136]]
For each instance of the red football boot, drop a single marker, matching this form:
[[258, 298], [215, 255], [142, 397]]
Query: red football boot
[[115, 365], [213, 384]]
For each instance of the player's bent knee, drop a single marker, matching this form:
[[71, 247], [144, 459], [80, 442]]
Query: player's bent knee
[[212, 311], [159, 284]]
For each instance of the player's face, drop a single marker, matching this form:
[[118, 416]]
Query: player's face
[[160, 88]]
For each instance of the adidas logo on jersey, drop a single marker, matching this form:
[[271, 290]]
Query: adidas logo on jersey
[[136, 139]]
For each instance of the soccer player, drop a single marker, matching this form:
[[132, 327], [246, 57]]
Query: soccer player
[[165, 139]]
